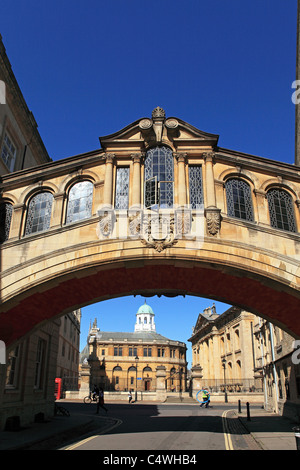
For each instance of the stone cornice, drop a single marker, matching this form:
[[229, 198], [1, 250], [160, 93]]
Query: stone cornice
[[49, 170], [254, 162]]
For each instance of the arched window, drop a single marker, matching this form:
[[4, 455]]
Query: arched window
[[80, 201], [281, 210], [239, 201], [159, 178], [39, 213], [6, 209]]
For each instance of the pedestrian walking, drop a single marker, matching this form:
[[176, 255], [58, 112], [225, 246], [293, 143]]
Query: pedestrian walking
[[95, 393], [100, 402], [129, 396], [205, 399]]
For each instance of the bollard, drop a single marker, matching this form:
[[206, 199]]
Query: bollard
[[297, 436], [239, 407], [248, 412]]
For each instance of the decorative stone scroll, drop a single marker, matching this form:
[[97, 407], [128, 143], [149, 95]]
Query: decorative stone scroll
[[153, 129], [213, 220]]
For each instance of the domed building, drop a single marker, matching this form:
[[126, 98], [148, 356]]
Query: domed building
[[121, 361]]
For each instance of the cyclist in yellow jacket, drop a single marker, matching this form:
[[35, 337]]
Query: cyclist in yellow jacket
[[205, 398]]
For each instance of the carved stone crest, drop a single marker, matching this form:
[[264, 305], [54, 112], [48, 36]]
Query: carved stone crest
[[158, 231], [106, 223]]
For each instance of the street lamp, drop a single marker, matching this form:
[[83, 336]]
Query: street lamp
[[136, 363], [224, 367]]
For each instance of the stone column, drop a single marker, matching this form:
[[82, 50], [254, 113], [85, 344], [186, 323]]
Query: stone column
[[212, 213], [210, 180], [181, 157], [108, 183], [16, 221], [136, 181], [161, 374], [57, 210], [262, 207]]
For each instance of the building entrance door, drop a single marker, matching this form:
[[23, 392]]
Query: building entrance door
[[147, 384]]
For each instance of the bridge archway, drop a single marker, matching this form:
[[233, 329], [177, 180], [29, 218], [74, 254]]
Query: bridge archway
[[257, 294], [245, 250]]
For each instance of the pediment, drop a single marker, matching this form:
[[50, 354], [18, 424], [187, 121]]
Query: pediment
[[158, 129]]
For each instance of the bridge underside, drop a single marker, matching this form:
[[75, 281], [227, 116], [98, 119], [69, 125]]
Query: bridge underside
[[261, 296]]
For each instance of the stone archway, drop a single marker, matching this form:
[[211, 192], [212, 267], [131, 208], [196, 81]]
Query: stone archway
[[257, 294]]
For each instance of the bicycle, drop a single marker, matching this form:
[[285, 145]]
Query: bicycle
[[60, 410], [90, 399]]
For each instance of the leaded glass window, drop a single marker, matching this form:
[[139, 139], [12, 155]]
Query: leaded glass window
[[122, 188], [281, 210], [5, 220], [239, 200], [8, 152], [159, 177], [80, 201], [39, 213], [195, 184]]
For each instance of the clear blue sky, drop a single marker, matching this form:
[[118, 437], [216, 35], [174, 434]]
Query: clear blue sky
[[89, 68]]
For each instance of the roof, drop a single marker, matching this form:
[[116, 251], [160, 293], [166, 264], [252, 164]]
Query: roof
[[138, 336], [145, 309]]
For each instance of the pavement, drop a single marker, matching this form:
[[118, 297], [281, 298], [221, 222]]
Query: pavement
[[270, 431]]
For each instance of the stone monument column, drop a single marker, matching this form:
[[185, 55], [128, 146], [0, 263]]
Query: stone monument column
[[161, 383], [85, 383], [196, 378]]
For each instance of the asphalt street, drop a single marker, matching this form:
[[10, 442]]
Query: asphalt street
[[169, 427]]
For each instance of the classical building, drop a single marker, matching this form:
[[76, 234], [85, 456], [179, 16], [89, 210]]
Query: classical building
[[68, 350], [223, 352], [32, 363], [121, 361], [277, 362], [240, 353]]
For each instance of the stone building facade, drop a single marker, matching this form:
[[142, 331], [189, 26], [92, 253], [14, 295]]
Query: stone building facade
[[122, 361], [278, 364], [26, 375], [240, 353], [21, 145], [67, 366], [223, 353]]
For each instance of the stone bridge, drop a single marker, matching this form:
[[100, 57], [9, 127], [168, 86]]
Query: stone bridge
[[159, 208]]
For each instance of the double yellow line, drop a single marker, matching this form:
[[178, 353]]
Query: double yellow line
[[227, 436]]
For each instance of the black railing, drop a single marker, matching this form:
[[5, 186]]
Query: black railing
[[233, 385]]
